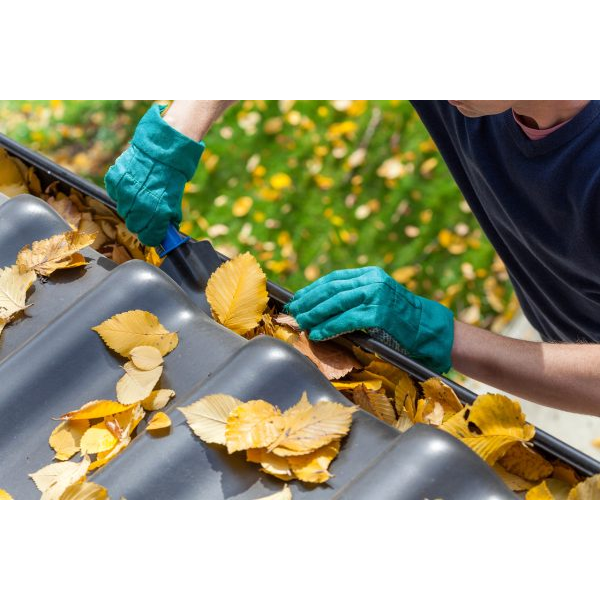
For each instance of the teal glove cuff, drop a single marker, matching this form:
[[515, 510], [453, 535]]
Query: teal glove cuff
[[156, 138], [435, 337]]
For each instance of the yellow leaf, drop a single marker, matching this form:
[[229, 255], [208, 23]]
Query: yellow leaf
[[4, 495], [121, 426], [146, 358], [435, 390], [125, 331], [539, 492], [332, 360], [11, 179], [525, 462], [97, 439], [57, 252], [65, 439], [376, 403], [158, 421], [96, 409], [405, 391], [308, 427], [370, 384], [589, 489], [207, 417], [13, 290], [271, 463], [491, 426], [237, 293], [377, 369], [53, 479], [404, 422], [253, 424], [565, 473], [312, 467], [136, 385], [284, 494], [514, 482], [157, 400], [85, 490]]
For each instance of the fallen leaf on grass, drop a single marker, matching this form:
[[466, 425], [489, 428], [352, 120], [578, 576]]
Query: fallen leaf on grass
[[237, 293], [57, 252], [207, 417], [126, 331], [136, 385], [332, 360]]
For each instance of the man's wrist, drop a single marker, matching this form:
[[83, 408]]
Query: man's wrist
[[193, 118]]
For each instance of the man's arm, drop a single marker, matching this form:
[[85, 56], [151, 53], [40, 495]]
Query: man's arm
[[565, 376]]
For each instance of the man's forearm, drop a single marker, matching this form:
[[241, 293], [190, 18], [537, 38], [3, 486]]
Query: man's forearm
[[565, 376], [194, 118]]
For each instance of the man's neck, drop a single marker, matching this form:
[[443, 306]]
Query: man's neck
[[543, 114]]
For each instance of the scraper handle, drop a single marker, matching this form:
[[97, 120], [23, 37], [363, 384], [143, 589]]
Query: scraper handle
[[173, 239]]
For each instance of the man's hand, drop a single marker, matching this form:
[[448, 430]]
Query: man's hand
[[353, 299], [148, 179]]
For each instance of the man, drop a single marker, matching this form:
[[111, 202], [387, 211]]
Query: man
[[530, 171]]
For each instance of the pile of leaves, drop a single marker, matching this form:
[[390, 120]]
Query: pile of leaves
[[299, 443], [84, 214], [494, 426], [103, 428]]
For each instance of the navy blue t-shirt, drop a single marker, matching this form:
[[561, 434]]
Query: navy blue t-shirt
[[538, 202]]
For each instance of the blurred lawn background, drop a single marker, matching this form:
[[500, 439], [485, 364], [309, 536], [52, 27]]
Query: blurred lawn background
[[307, 187]]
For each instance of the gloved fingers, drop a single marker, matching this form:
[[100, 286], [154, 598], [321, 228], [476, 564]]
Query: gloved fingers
[[156, 230], [302, 303], [340, 275], [362, 317], [338, 303]]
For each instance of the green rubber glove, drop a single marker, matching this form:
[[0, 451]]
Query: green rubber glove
[[354, 299], [147, 180]]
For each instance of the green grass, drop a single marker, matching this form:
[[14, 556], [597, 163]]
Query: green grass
[[285, 182]]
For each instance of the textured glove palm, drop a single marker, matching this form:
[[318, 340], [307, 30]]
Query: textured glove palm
[[354, 299], [148, 179]]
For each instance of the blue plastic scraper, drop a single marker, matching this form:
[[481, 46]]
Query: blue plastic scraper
[[189, 263]]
